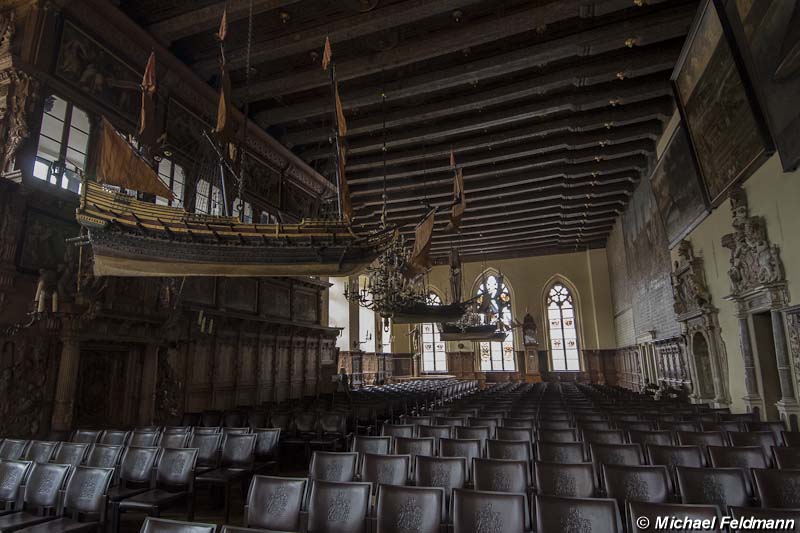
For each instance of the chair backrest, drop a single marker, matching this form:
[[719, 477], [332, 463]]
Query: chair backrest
[[437, 432], [778, 488], [466, 448], [174, 440], [596, 425], [267, 441], [616, 454], [398, 430], [517, 450], [553, 424], [207, 446], [719, 486], [161, 525], [333, 424], [701, 438], [176, 467], [573, 480], [529, 423], [86, 489], [488, 511], [402, 508], [450, 421], [305, 422], [639, 425], [177, 429], [40, 451], [114, 437], [787, 456], [275, 503], [384, 469], [447, 473], [104, 455], [13, 449], [500, 475], [557, 435], [659, 437], [414, 446], [71, 453], [333, 466], [603, 436], [137, 463], [374, 445], [207, 430], [485, 421], [86, 435], [417, 420], [766, 514], [637, 483], [742, 456], [482, 433], [512, 433], [560, 452], [765, 439], [653, 511], [338, 507], [238, 450], [144, 438], [44, 484], [598, 515], [281, 420], [12, 474]]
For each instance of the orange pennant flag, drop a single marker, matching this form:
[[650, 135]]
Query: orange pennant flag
[[148, 127], [223, 26], [224, 129], [326, 54], [340, 121], [452, 159]]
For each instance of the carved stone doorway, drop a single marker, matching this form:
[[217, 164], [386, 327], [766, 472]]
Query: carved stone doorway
[[109, 381], [702, 361], [768, 378]]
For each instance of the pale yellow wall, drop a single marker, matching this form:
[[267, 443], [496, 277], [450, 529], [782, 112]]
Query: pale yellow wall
[[775, 195], [527, 277]]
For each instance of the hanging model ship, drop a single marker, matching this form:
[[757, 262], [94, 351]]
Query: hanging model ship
[[134, 238]]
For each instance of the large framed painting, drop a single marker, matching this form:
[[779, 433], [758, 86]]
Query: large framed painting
[[239, 294], [766, 38], [677, 188], [726, 129], [44, 241]]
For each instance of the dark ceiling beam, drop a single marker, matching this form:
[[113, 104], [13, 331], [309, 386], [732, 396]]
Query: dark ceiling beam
[[519, 239], [514, 252], [464, 149], [621, 94], [338, 30], [207, 19], [627, 63], [644, 30], [635, 136], [535, 229]]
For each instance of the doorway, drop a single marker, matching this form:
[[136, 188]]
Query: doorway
[[702, 360], [764, 344]]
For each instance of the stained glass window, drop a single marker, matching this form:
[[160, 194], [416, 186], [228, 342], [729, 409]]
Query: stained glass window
[[497, 355], [434, 358], [563, 329], [63, 144]]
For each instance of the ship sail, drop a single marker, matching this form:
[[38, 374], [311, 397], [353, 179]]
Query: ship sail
[[340, 133], [459, 198], [420, 261], [148, 122]]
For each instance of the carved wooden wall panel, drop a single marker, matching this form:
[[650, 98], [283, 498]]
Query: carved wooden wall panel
[[282, 377], [246, 380]]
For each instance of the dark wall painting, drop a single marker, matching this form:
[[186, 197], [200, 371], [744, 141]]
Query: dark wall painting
[[725, 129], [43, 243], [767, 37], [239, 294], [677, 188]]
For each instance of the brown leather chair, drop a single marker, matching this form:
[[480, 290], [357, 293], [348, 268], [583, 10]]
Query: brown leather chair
[[207, 446], [414, 447], [557, 435], [12, 475], [658, 437], [639, 425], [517, 450], [688, 426], [637, 484], [469, 449], [791, 438], [71, 453], [177, 429], [338, 507], [235, 466], [40, 498], [596, 425], [160, 525], [573, 480], [331, 432], [704, 439], [89, 436], [382, 469], [786, 456], [257, 418], [488, 511], [560, 452], [723, 487], [333, 466], [368, 444], [211, 419], [144, 438], [13, 449], [777, 429], [675, 456], [84, 507], [598, 515], [778, 488], [501, 475], [174, 440], [275, 503], [765, 439], [104, 455], [485, 421], [745, 457], [610, 436], [174, 485], [40, 451], [654, 511], [418, 509], [115, 437]]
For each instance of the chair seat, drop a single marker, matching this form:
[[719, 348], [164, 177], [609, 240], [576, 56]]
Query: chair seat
[[62, 525], [119, 492], [15, 521], [223, 475], [151, 499]]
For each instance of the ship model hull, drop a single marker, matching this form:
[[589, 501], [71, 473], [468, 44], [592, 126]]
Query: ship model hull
[[418, 314], [139, 239], [483, 332]]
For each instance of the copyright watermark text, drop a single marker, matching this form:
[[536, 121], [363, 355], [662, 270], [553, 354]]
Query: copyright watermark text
[[678, 523]]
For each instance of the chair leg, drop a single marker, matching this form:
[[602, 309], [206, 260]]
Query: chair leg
[[228, 488], [115, 517], [190, 506]]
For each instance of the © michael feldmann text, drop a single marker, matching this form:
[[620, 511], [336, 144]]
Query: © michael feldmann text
[[746, 523]]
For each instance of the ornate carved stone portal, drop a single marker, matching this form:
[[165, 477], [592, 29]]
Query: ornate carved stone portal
[[758, 287], [705, 348]]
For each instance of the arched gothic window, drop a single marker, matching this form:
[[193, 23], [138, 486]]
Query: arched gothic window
[[434, 358], [563, 330], [497, 355]]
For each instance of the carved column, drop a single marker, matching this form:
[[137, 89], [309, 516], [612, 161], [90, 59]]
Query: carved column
[[752, 398], [788, 403], [66, 385], [147, 396]]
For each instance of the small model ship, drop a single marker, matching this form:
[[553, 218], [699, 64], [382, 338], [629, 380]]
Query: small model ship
[[475, 332], [135, 238]]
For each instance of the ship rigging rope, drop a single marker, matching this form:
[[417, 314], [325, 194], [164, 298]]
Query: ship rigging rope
[[246, 109]]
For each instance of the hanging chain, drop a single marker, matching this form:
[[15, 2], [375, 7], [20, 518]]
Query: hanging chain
[[384, 198]]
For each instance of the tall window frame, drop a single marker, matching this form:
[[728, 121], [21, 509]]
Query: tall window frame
[[173, 176], [434, 355], [63, 146], [499, 355], [562, 328]]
